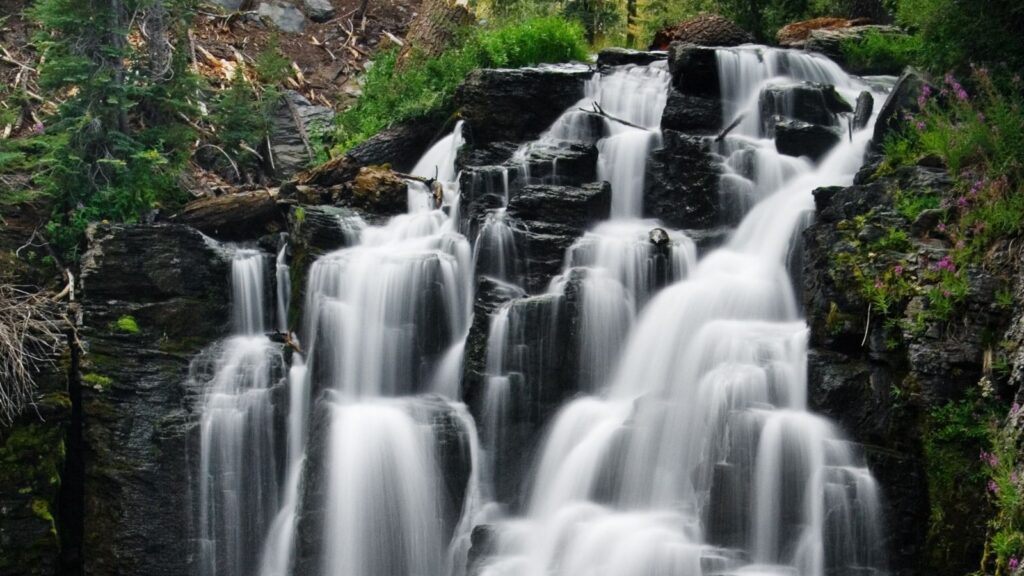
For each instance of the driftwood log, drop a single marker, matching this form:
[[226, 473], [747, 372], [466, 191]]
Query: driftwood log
[[234, 216]]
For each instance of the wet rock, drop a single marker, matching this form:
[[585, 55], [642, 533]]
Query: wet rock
[[399, 146], [863, 110], [517, 105], [314, 231], [899, 105], [624, 56], [491, 294], [691, 114], [681, 187], [694, 70], [804, 101], [795, 138], [549, 218], [705, 30], [569, 165], [318, 10], [659, 237], [292, 122], [283, 15], [489, 154], [483, 545], [152, 297]]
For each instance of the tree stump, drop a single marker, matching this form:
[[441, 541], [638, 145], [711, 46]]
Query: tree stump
[[435, 27]]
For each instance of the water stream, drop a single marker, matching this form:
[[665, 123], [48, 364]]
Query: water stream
[[685, 449]]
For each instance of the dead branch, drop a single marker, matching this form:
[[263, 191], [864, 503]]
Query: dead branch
[[600, 112], [31, 336], [721, 135]]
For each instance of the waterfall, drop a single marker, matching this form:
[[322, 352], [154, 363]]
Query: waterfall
[[644, 414]]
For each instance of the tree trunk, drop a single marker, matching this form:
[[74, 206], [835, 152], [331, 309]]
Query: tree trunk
[[231, 216], [435, 27], [631, 23]]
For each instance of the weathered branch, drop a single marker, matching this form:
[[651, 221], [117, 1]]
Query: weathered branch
[[31, 335], [721, 135], [600, 112]]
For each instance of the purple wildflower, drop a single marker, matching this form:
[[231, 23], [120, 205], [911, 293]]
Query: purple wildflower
[[920, 125], [989, 458], [1013, 564], [1014, 409], [946, 264], [993, 487], [898, 270], [961, 202], [941, 227], [879, 285], [961, 94], [38, 128], [947, 294]]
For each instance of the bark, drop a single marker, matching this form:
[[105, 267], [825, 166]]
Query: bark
[[435, 28], [247, 214]]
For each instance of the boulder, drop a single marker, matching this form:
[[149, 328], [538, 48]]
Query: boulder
[[795, 35], [314, 231], [401, 145], [901, 103], [293, 121], [805, 101], [705, 30], [152, 297], [681, 184], [377, 190], [610, 57], [283, 15], [239, 216], [517, 105], [694, 70], [319, 10], [863, 110], [796, 138], [548, 218], [691, 114]]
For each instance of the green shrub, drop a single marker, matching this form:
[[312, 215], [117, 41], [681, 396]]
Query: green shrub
[[882, 52], [425, 86], [956, 33]]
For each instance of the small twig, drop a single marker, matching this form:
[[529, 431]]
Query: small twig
[[721, 135], [226, 155], [600, 112], [867, 327]]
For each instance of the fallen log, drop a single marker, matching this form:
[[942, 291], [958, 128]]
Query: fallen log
[[234, 216]]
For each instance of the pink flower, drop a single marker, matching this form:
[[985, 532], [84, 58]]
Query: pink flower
[[941, 227], [921, 125], [879, 285], [993, 487], [961, 202], [1013, 564], [898, 270], [988, 458]]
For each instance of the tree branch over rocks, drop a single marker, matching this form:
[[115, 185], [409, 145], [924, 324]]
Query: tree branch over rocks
[[31, 336]]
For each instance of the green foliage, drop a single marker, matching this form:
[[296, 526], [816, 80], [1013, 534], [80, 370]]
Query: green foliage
[[878, 51], [1005, 470], [272, 67], [954, 435], [97, 381], [119, 141], [240, 119], [955, 33], [423, 87]]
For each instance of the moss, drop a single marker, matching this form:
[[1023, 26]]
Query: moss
[[300, 214], [31, 457], [97, 381], [126, 324]]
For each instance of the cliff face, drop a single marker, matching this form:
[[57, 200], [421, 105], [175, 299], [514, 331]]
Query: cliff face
[[153, 297], [883, 373]]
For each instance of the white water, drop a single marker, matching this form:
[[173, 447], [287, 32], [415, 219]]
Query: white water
[[686, 447]]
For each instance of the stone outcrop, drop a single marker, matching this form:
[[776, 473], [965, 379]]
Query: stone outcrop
[[796, 138], [549, 218], [706, 30], [152, 298], [293, 122], [623, 56], [694, 70], [517, 105], [805, 101], [681, 186], [901, 103]]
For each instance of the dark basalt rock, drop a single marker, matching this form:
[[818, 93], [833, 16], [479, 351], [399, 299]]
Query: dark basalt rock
[[152, 296], [610, 57], [862, 111], [681, 186], [549, 218], [694, 70], [401, 145], [795, 138], [900, 105], [489, 154], [491, 294], [805, 101], [314, 231], [517, 105], [830, 43], [691, 114]]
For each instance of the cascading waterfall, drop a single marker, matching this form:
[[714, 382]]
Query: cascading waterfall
[[686, 447], [238, 483]]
